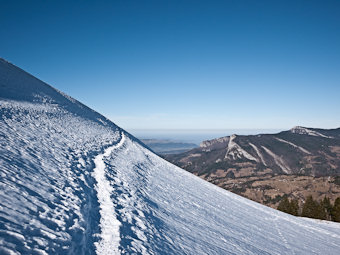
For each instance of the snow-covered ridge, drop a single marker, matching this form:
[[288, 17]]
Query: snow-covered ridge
[[306, 131], [41, 147]]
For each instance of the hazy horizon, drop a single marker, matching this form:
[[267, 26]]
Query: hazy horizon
[[195, 135]]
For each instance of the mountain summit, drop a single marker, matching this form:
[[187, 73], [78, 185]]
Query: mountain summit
[[72, 182]]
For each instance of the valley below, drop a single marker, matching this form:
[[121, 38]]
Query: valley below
[[270, 189]]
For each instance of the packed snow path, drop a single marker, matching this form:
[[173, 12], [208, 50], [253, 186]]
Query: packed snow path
[[109, 225]]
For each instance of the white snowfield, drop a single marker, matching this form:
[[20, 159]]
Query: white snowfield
[[109, 224], [71, 182]]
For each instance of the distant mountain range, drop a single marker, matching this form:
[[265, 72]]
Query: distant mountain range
[[305, 151], [253, 165]]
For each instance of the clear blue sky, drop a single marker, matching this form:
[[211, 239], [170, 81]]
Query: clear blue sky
[[185, 64]]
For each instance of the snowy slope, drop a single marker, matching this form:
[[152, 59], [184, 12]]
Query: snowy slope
[[71, 182]]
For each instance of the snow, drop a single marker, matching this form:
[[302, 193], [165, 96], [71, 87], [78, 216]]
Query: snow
[[13, 234], [278, 160], [186, 205], [110, 236], [195, 155], [258, 152], [41, 183], [39, 251], [235, 151], [306, 131], [74, 183]]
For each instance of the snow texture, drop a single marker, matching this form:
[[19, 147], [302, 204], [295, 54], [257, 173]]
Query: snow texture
[[72, 182]]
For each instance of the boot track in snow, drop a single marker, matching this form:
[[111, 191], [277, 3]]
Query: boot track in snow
[[109, 224]]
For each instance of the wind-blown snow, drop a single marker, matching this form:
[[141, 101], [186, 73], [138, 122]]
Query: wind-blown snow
[[74, 183], [109, 225]]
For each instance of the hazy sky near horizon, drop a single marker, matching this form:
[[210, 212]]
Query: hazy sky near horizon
[[185, 64]]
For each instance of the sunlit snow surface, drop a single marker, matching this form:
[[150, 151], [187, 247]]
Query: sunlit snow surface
[[68, 176]]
